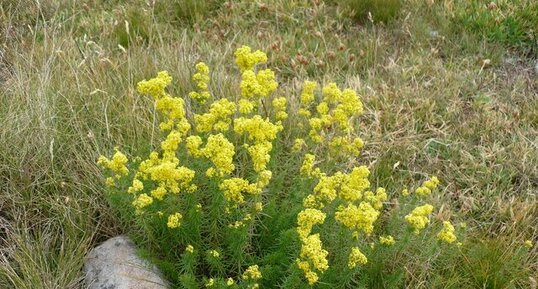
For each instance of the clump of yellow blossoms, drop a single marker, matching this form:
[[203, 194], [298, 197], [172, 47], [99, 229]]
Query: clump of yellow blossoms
[[447, 233], [528, 244], [174, 220], [212, 172], [356, 258], [202, 80], [427, 187], [418, 218], [387, 240]]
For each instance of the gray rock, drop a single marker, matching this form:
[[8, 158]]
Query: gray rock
[[115, 265]]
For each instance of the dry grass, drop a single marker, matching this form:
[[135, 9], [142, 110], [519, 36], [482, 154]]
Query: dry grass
[[434, 107]]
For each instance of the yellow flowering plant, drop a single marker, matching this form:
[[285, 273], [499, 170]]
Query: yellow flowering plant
[[260, 190]]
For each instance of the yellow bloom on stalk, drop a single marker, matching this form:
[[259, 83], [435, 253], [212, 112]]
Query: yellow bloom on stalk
[[298, 144], [142, 201], [219, 117], [214, 253], [233, 188], [174, 220], [356, 218], [356, 257], [220, 151], [257, 129], [193, 144], [405, 192], [169, 175], [355, 183], [189, 249], [312, 257], [246, 106], [230, 281], [257, 85], [246, 59], [155, 86], [427, 187], [387, 240], [447, 233], [279, 104], [252, 273], [201, 77], [210, 282], [307, 168], [418, 218], [117, 164], [376, 199], [137, 186], [158, 193], [306, 219], [307, 96]]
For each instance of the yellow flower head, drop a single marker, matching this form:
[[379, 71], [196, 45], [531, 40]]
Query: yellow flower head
[[252, 273], [418, 218], [174, 220], [142, 201], [189, 249], [356, 218], [306, 219], [447, 233], [155, 86], [246, 59], [356, 257], [387, 240]]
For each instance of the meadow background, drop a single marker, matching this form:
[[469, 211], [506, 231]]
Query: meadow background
[[449, 87]]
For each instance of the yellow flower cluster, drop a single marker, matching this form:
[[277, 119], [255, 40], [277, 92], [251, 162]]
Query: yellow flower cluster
[[142, 201], [260, 133], [172, 108], [361, 217], [213, 253], [279, 105], [427, 187], [189, 249], [312, 258], [336, 109], [387, 240], [307, 95], [155, 87], [356, 257], [252, 273], [246, 59], [254, 84], [306, 219], [168, 174], [233, 188], [245, 106], [298, 144], [259, 84], [348, 188], [219, 117], [137, 186], [220, 151], [201, 77], [447, 233], [528, 244], [418, 218], [174, 220], [118, 164]]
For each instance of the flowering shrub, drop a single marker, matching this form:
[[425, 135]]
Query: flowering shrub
[[262, 190]]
